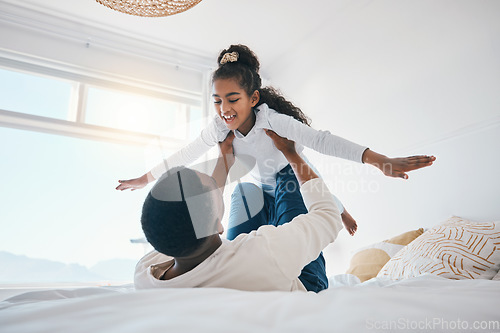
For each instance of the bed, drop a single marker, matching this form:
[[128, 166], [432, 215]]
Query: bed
[[396, 299]]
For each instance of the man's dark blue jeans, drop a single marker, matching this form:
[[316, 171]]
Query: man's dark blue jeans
[[251, 208]]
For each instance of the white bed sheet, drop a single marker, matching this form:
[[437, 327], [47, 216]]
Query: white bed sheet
[[425, 303]]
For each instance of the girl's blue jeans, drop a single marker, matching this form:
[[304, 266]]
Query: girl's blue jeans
[[251, 208]]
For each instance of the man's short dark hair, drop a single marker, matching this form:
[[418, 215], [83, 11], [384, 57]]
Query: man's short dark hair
[[166, 219]]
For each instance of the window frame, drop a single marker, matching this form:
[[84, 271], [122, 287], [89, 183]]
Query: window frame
[[81, 79]]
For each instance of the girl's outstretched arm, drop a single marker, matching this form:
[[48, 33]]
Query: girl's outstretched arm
[[212, 134], [184, 156], [136, 183], [396, 167], [323, 142], [326, 143]]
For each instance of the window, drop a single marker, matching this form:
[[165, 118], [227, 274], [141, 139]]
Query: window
[[134, 112], [65, 144], [196, 122], [20, 92], [62, 207]]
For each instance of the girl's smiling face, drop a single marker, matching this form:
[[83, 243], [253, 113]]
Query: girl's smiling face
[[234, 106]]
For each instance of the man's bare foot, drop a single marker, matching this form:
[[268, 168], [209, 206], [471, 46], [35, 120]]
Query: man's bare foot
[[349, 223]]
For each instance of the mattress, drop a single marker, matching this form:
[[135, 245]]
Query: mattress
[[422, 303]]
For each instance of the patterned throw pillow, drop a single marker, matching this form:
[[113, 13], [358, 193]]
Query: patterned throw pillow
[[368, 261], [457, 249]]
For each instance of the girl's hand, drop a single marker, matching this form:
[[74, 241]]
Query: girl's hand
[[133, 184], [396, 167]]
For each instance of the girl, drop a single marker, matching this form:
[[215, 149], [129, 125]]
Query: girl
[[248, 110]]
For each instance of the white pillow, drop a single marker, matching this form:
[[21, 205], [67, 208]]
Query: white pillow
[[457, 249]]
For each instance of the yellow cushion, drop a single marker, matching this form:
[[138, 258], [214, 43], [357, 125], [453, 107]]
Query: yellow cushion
[[368, 261], [457, 249], [406, 238]]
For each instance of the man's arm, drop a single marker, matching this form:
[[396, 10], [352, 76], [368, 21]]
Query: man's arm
[[224, 162], [295, 244], [302, 169]]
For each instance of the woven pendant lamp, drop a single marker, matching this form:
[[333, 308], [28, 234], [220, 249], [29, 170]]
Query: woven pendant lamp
[[150, 8]]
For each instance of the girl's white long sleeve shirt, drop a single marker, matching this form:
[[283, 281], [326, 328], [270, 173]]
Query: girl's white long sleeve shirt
[[256, 150], [269, 258]]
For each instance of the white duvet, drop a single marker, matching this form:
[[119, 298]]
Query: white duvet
[[425, 303]]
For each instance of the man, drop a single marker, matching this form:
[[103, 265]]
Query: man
[[181, 219]]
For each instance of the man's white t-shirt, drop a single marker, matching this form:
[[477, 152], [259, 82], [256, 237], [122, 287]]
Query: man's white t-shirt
[[269, 258]]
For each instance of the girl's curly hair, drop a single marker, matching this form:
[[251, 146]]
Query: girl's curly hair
[[246, 72]]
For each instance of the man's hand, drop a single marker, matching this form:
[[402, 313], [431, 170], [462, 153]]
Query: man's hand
[[301, 169], [283, 144]]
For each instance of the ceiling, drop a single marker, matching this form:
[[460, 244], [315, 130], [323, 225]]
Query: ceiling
[[270, 28], [419, 71]]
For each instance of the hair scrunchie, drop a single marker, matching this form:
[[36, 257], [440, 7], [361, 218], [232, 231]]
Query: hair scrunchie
[[229, 57]]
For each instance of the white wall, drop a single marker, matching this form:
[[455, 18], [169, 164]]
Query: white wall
[[89, 49], [404, 78]]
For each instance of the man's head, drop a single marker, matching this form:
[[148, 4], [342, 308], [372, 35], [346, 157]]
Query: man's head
[[182, 211]]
